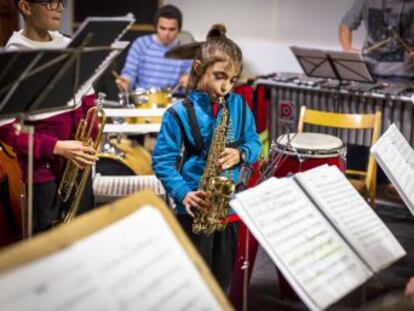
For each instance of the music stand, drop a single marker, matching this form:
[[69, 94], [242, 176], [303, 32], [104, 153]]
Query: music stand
[[342, 66], [35, 85], [350, 66], [101, 31], [27, 74]]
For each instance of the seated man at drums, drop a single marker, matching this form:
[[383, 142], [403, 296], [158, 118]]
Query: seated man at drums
[[145, 66]]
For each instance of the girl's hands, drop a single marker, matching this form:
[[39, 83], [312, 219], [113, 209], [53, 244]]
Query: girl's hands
[[195, 199], [228, 158]]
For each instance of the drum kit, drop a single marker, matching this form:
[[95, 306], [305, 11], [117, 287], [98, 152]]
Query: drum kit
[[126, 158], [153, 98], [122, 156]]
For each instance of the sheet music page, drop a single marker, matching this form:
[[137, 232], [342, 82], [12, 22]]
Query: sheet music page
[[134, 264], [396, 157], [351, 215], [315, 260]]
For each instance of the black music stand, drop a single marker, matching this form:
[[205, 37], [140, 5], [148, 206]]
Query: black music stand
[[342, 66], [101, 31], [30, 79], [29, 76], [24, 68], [38, 75]]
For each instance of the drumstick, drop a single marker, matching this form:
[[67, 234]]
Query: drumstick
[[126, 92], [175, 88], [404, 44], [115, 74]]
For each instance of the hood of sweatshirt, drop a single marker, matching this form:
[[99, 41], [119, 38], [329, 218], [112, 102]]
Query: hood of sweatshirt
[[19, 42]]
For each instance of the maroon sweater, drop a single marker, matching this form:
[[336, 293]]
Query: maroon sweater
[[46, 166]]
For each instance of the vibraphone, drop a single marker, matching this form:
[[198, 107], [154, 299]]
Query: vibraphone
[[290, 91], [110, 188]]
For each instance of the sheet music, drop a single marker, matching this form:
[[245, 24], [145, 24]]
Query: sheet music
[[135, 264], [315, 260], [400, 143], [396, 157], [352, 216]]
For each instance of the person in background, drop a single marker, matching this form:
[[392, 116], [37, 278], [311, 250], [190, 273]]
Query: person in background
[[145, 66], [53, 132], [191, 122], [389, 44]]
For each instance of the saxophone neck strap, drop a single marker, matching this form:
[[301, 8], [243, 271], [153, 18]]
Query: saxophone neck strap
[[198, 148], [195, 128]]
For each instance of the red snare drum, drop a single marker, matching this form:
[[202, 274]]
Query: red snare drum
[[304, 151]]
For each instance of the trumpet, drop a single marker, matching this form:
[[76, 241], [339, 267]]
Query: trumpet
[[74, 179]]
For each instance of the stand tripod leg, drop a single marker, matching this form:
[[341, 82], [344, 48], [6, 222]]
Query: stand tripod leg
[[29, 223]]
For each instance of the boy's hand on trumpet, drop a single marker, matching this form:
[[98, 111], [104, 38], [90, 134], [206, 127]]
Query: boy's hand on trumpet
[[76, 152]]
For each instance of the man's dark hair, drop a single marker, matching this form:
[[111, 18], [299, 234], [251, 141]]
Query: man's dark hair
[[171, 12]]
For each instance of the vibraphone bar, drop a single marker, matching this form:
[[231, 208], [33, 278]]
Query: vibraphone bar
[[288, 92], [110, 188]]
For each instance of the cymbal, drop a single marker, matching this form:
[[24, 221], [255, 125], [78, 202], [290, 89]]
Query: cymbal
[[186, 51]]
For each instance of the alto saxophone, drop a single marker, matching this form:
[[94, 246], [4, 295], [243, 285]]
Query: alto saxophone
[[219, 189], [72, 184]]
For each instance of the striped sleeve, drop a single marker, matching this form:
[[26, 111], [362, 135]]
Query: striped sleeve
[[186, 66], [131, 67]]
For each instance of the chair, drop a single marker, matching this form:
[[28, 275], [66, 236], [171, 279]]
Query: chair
[[364, 181]]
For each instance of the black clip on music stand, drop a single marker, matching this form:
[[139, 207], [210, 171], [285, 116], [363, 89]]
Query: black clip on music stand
[[342, 66], [48, 82], [29, 80]]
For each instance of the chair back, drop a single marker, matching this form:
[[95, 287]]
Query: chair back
[[349, 121]]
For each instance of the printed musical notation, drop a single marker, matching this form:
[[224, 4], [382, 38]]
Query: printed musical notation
[[352, 216], [135, 264], [396, 157], [316, 261]]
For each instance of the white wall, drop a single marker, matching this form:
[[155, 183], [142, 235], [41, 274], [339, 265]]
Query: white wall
[[266, 28]]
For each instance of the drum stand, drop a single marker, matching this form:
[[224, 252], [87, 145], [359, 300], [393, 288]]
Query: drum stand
[[27, 193], [250, 244]]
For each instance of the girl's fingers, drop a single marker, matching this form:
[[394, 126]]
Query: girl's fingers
[[188, 210], [200, 202], [197, 205]]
